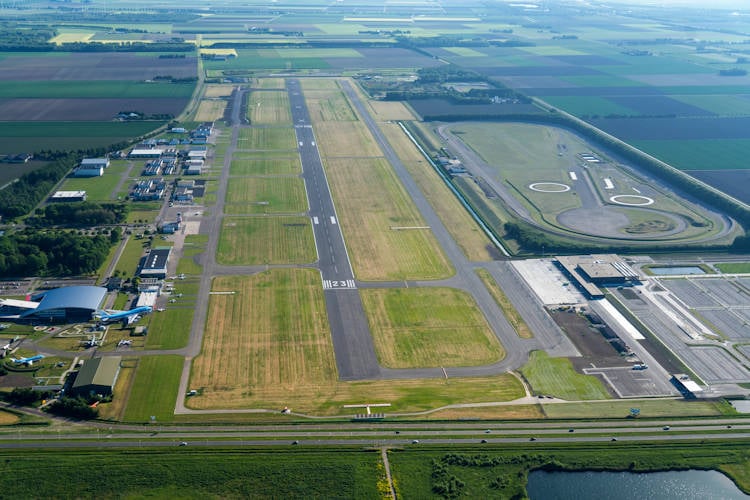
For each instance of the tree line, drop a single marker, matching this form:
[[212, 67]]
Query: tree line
[[81, 214], [53, 253]]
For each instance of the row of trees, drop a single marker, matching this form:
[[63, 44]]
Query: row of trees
[[23, 195], [53, 253], [83, 214]]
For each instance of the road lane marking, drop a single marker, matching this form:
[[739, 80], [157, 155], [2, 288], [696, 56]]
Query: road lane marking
[[333, 220], [315, 220]]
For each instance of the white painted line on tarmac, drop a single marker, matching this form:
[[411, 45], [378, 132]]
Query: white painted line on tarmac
[[315, 220], [333, 220]]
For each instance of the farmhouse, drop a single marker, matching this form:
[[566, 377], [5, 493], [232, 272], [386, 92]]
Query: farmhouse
[[97, 376], [155, 264], [68, 196]]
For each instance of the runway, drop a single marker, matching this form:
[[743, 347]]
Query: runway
[[352, 343]]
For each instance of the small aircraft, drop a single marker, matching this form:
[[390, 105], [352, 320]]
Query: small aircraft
[[130, 316], [27, 361]]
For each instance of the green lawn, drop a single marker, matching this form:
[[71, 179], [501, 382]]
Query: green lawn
[[169, 329], [733, 267], [243, 165], [266, 195], [154, 391], [267, 138], [556, 377], [266, 240]]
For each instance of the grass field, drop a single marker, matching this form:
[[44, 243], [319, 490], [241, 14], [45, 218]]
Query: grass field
[[556, 377], [131, 256], [510, 312], [254, 165], [466, 233], [169, 329], [733, 267], [269, 108], [218, 90], [266, 195], [210, 110], [429, 327], [7, 418], [328, 105], [98, 188], [154, 390], [267, 138], [266, 240], [372, 206], [649, 408]]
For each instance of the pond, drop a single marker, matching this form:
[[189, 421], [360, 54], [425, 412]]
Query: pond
[[676, 270], [670, 485]]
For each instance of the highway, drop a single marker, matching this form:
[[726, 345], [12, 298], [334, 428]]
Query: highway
[[350, 332]]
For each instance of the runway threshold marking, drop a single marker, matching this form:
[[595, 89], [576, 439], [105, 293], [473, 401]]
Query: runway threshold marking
[[339, 284]]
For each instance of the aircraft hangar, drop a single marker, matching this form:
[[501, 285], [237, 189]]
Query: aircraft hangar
[[61, 305]]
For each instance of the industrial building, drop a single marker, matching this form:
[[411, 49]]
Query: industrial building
[[97, 376], [591, 271], [88, 171], [68, 196], [71, 304], [95, 163], [145, 153], [155, 263]]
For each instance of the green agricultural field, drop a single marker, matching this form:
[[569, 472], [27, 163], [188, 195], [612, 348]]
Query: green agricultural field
[[589, 105], [266, 240], [267, 138], [32, 136], [196, 474], [269, 59], [121, 89], [244, 165], [429, 327], [269, 108], [705, 154], [265, 195], [154, 390], [556, 377]]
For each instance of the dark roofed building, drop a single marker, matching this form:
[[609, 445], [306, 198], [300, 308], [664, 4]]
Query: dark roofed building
[[155, 264], [97, 376]]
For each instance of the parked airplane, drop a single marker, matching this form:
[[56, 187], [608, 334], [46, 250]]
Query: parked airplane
[[129, 316], [27, 361]]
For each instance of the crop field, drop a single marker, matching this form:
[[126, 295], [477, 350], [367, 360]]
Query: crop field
[[11, 171], [261, 165], [18, 137], [93, 89], [429, 327], [266, 240], [269, 108], [88, 66], [154, 390], [556, 377], [193, 473], [267, 139], [269, 59], [384, 232], [265, 195]]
